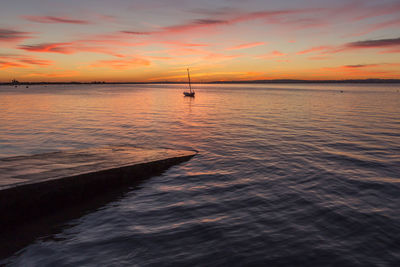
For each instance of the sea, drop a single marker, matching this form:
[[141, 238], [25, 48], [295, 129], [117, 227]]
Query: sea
[[285, 175]]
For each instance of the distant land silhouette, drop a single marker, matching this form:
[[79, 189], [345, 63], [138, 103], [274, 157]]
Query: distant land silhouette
[[15, 82]]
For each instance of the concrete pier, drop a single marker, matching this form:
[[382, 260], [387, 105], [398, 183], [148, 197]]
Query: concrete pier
[[38, 185]]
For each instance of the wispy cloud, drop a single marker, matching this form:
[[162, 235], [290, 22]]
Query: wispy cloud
[[22, 61], [321, 57], [8, 35], [68, 48], [390, 46], [374, 43], [60, 74], [361, 67], [273, 54], [61, 48], [37, 62], [380, 9], [52, 19], [378, 26], [247, 45], [121, 63], [136, 33], [9, 64], [362, 70], [272, 17], [314, 49]]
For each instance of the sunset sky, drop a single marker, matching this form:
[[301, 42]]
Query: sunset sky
[[156, 40]]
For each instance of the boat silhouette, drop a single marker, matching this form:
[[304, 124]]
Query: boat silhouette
[[191, 92]]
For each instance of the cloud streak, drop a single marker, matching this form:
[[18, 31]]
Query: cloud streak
[[273, 54], [271, 17], [68, 48], [121, 64], [374, 43], [61, 74], [247, 45], [390, 46], [21, 61], [52, 19], [8, 35], [61, 48], [9, 64]]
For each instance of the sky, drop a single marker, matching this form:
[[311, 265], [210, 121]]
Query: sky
[[219, 40]]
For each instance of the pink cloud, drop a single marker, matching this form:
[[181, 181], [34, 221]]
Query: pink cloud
[[273, 54], [247, 45], [183, 44], [8, 35], [52, 19], [136, 33], [38, 62], [68, 48], [314, 49], [61, 48]]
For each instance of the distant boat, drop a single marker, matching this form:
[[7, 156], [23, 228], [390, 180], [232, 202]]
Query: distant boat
[[190, 93]]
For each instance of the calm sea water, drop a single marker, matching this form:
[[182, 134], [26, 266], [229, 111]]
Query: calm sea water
[[291, 175]]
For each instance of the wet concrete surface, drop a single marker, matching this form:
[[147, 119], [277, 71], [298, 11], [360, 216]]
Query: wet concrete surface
[[40, 185]]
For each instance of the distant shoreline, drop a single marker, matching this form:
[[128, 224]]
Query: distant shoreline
[[363, 81]]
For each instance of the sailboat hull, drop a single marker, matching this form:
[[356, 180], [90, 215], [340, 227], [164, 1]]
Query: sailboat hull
[[191, 94]]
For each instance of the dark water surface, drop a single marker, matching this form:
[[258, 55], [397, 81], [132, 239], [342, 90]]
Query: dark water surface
[[291, 175]]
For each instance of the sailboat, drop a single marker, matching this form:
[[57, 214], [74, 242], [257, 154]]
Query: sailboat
[[190, 93]]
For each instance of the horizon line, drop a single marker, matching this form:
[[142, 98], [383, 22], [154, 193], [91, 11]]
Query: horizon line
[[367, 80]]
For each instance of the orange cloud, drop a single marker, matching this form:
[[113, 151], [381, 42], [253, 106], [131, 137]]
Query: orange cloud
[[121, 63], [7, 64], [54, 74], [68, 48], [359, 71], [38, 62], [21, 61], [247, 45], [319, 57]]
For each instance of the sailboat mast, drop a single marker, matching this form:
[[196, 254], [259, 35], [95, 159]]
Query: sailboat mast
[[190, 86]]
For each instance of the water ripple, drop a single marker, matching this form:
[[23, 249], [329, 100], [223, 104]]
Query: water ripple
[[286, 175]]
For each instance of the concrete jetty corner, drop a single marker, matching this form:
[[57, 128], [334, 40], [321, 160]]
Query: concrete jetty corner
[[37, 185]]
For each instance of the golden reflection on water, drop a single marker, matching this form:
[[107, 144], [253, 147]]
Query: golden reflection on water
[[71, 116]]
